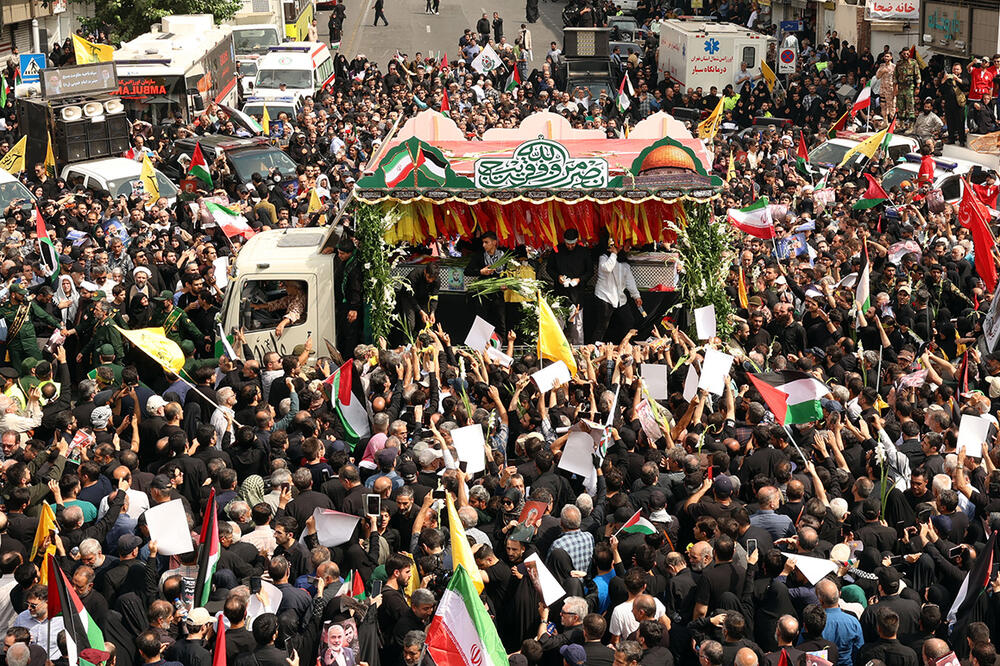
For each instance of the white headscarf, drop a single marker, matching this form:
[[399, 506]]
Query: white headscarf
[[68, 313]]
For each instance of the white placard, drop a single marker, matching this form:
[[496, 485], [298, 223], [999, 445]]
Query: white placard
[[333, 528], [498, 356], [704, 322], [548, 377], [255, 607], [691, 384], [577, 454], [479, 335], [655, 376], [715, 371], [972, 432], [813, 568], [168, 527], [552, 590], [471, 447]]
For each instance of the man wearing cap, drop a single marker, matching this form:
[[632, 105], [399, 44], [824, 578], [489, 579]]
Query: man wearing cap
[[191, 651], [106, 359], [570, 268], [907, 82], [174, 320], [105, 335], [18, 312], [349, 296], [10, 387]]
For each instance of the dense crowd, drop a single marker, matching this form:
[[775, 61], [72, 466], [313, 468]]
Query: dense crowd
[[858, 536]]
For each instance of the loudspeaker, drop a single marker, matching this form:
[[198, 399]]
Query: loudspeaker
[[70, 140], [97, 130], [118, 133], [694, 115]]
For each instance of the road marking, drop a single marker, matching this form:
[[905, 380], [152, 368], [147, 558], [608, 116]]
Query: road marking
[[428, 29], [361, 23]]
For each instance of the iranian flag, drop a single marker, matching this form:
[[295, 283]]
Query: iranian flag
[[231, 222], [792, 396], [863, 101], [873, 196], [638, 525], [50, 259], [198, 167], [398, 168], [462, 632], [755, 219], [81, 630], [353, 586], [514, 80], [623, 100], [348, 398], [208, 556]]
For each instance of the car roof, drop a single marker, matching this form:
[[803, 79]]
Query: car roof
[[108, 168]]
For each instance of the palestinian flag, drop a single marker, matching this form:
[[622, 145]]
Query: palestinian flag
[[347, 397], [638, 525], [802, 158], [81, 630], [873, 196], [208, 556], [3, 91], [50, 259], [434, 166], [863, 101], [198, 167], [888, 135], [514, 80], [623, 101], [973, 587], [219, 655], [353, 586], [231, 222], [792, 396], [445, 104], [462, 632], [398, 168], [862, 291], [755, 219], [838, 126]]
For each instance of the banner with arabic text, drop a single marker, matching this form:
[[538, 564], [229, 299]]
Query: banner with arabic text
[[892, 10]]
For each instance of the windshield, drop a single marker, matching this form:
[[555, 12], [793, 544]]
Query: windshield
[[296, 79], [122, 186], [248, 68], [249, 162], [273, 110], [255, 40], [14, 190], [893, 177], [828, 154]]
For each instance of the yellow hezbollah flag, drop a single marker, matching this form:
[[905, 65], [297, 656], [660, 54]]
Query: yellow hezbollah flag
[[769, 78], [50, 160], [709, 126], [315, 205], [13, 161], [88, 52], [552, 342], [265, 122], [148, 179], [46, 525], [866, 147], [157, 345], [461, 551]]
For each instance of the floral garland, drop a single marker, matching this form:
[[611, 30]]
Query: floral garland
[[705, 250], [378, 260]]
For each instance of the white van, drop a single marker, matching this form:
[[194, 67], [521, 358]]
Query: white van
[[831, 153], [304, 68], [117, 175], [948, 174], [288, 104]]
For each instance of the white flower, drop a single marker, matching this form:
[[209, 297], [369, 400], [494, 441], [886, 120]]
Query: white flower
[[368, 266]]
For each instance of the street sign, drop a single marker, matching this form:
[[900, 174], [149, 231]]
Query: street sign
[[786, 61], [791, 26], [31, 65]]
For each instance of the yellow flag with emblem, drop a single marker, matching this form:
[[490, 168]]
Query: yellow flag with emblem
[[552, 342], [315, 205], [148, 179], [709, 126], [50, 159], [13, 161], [46, 526], [88, 52], [265, 122], [866, 147], [768, 75], [461, 549], [157, 345]]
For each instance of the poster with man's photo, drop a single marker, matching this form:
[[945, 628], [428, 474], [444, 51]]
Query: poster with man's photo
[[338, 644]]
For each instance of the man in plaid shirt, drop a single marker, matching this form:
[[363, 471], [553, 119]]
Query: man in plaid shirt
[[577, 544]]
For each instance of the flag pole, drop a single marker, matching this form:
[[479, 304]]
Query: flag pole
[[792, 440], [878, 376]]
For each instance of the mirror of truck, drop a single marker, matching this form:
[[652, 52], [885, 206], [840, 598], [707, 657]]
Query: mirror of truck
[[197, 102]]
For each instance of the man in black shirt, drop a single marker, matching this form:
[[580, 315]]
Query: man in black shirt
[[719, 578], [887, 647], [394, 605]]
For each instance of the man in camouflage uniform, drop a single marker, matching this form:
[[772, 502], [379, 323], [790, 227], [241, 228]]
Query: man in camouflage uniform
[[907, 83], [174, 321], [104, 333], [18, 312]]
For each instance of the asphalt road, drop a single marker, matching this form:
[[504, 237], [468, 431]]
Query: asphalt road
[[411, 30]]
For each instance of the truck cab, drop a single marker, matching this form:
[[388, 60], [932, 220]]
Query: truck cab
[[251, 42], [270, 265]]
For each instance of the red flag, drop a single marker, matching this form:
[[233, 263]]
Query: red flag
[[783, 660], [875, 189], [219, 656], [445, 106], [803, 153], [776, 399], [444, 61], [974, 216]]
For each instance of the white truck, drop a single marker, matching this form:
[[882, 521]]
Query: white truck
[[698, 52], [251, 41]]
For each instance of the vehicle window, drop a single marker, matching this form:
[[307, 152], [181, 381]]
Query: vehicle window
[[14, 190], [951, 188], [749, 56], [893, 177], [264, 303], [255, 40], [296, 79], [248, 162], [827, 154], [895, 152]]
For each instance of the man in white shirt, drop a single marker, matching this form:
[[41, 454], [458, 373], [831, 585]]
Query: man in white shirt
[[223, 414], [34, 619], [627, 616], [8, 562], [138, 501], [614, 278]]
